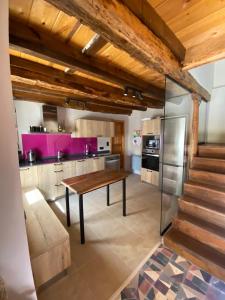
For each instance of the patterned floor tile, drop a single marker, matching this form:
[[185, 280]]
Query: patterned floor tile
[[169, 276]]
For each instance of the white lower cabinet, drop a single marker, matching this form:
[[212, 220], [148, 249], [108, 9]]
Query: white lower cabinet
[[28, 176], [48, 177], [95, 164], [150, 176]]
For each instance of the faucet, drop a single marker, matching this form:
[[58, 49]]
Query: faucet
[[86, 149]]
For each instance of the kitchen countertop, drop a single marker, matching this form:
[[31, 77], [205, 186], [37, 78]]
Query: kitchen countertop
[[53, 160]]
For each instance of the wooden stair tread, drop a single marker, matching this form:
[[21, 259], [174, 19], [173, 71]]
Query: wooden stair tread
[[212, 145], [202, 223], [203, 210], [202, 176], [198, 202], [209, 164], [212, 150], [206, 186], [198, 253]]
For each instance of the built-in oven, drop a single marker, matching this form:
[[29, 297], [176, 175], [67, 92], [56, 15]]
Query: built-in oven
[[150, 161], [151, 142]]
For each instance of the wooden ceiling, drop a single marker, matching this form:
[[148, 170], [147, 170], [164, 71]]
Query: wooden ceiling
[[198, 24], [52, 50]]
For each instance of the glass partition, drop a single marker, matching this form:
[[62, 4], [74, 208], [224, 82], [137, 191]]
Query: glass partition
[[173, 158]]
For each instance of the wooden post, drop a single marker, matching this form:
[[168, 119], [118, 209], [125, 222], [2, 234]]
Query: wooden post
[[194, 128]]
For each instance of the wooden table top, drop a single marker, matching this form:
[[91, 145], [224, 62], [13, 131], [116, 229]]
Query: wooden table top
[[92, 181]]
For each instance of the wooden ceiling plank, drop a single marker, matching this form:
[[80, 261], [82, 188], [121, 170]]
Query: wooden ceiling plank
[[60, 101], [20, 9], [116, 23], [209, 51], [32, 70], [94, 45], [43, 15], [147, 14], [42, 45]]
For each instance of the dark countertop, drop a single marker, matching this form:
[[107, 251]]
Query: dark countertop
[[53, 160]]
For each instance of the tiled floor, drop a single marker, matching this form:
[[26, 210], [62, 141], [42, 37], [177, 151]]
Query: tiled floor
[[115, 245], [166, 275]]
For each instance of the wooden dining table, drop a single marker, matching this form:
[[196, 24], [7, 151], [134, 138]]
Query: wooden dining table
[[89, 182]]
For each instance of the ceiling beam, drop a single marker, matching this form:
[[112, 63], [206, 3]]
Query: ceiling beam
[[147, 14], [60, 101], [84, 86], [25, 87], [116, 23], [44, 45], [94, 45], [73, 31], [208, 51]]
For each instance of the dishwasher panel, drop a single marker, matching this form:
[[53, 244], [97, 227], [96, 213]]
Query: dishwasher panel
[[112, 162]]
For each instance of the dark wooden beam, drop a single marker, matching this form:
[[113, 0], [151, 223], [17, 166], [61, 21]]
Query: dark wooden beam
[[44, 45], [83, 86], [60, 101], [147, 14], [116, 23], [73, 31], [27, 88], [94, 45]]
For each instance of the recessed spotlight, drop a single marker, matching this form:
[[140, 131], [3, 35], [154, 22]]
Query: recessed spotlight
[[67, 70]]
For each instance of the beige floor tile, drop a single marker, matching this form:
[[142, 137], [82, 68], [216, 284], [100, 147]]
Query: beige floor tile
[[115, 245]]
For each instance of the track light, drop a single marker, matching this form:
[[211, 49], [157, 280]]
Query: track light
[[134, 92], [67, 101], [126, 91]]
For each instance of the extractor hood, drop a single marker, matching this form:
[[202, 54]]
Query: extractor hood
[[50, 118]]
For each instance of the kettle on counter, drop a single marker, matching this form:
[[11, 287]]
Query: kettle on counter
[[31, 155]]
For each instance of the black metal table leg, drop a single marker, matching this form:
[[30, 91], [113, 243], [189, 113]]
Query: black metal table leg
[[124, 197], [82, 237], [67, 207], [108, 195]]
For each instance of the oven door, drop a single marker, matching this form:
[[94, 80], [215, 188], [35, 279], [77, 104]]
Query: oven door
[[150, 161]]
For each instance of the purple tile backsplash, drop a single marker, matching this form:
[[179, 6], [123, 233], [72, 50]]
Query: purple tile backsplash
[[47, 145]]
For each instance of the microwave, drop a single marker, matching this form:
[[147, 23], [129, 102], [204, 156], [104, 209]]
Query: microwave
[[151, 142]]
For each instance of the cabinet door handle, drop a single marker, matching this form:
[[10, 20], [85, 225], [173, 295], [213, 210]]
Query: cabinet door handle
[[150, 133], [149, 171], [25, 169], [95, 157], [58, 184], [58, 171], [81, 160], [58, 164]]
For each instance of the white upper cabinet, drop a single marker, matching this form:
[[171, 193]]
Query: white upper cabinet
[[93, 128], [151, 127]]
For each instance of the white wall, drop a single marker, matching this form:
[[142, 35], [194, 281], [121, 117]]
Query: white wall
[[14, 255], [204, 75], [28, 114], [212, 77], [216, 123], [135, 123]]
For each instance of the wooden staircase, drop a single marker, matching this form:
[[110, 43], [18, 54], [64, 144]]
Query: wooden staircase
[[198, 231]]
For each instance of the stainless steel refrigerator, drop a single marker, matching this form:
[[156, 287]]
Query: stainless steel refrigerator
[[172, 167]]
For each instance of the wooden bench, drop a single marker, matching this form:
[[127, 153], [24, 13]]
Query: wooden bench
[[48, 240]]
